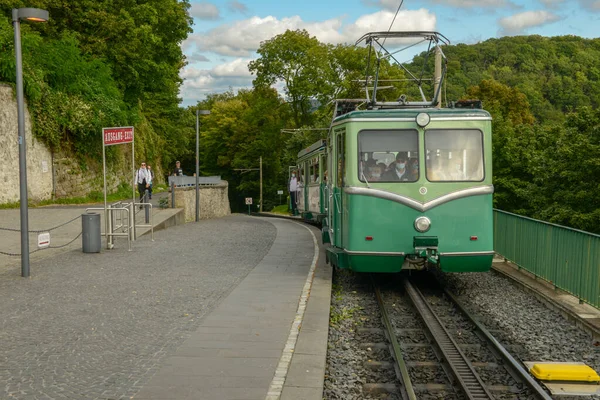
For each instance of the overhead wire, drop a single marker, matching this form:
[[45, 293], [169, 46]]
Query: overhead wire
[[393, 20]]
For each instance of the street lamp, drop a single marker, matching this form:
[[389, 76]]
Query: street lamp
[[35, 15], [198, 113]]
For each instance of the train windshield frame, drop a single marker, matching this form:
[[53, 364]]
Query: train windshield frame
[[388, 155], [454, 155]]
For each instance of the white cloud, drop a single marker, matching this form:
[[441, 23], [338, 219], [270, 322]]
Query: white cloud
[[198, 57], [244, 37], [206, 11], [519, 23], [236, 6], [553, 4], [590, 5], [197, 82], [392, 5]]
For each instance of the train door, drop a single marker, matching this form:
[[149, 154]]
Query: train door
[[324, 198], [338, 187]]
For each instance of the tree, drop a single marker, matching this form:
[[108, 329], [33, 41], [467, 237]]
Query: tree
[[298, 60]]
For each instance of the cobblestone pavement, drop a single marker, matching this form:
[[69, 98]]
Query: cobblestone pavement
[[96, 326], [44, 218]]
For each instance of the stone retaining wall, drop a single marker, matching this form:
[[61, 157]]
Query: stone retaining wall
[[214, 201], [39, 157], [71, 179]]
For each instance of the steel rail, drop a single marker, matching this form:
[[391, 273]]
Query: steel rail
[[468, 379], [408, 392], [513, 364]]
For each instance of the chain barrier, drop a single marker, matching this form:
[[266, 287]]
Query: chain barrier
[[41, 231]]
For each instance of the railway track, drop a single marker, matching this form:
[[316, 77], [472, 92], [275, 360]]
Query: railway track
[[477, 367]]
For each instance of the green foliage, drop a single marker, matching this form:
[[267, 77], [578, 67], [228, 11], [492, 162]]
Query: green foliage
[[97, 64]]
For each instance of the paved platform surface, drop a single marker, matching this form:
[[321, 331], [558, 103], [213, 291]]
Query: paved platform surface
[[220, 309], [44, 218], [585, 316]]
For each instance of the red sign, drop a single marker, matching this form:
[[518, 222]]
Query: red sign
[[112, 136]]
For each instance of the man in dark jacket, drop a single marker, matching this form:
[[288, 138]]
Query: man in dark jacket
[[398, 170]]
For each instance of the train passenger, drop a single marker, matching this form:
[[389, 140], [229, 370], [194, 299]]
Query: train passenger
[[413, 167], [376, 172], [398, 170]]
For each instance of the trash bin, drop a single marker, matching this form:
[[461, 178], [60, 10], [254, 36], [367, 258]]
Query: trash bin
[[90, 233]]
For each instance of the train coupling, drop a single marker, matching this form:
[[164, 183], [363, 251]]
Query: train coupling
[[426, 247]]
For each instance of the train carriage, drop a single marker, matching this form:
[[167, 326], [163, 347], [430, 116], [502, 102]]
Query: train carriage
[[312, 174], [439, 213], [410, 183]]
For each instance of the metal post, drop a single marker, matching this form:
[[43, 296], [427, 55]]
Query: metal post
[[261, 199], [197, 166], [132, 216], [22, 149], [173, 194], [107, 230], [438, 75], [146, 208]]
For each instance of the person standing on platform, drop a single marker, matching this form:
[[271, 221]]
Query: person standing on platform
[[142, 180], [151, 173], [293, 188], [178, 171]]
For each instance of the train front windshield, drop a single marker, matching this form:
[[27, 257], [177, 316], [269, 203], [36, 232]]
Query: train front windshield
[[454, 155], [388, 155]]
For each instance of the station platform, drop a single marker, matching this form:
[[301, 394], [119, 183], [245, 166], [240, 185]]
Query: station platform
[[230, 308]]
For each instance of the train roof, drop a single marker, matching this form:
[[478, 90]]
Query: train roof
[[434, 113], [313, 147]]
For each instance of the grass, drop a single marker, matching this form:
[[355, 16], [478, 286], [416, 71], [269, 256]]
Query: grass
[[282, 209], [123, 192]]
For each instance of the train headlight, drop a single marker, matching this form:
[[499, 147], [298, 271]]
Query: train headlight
[[423, 119], [422, 224]]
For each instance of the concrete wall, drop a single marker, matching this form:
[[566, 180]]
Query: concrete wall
[[214, 201], [39, 158]]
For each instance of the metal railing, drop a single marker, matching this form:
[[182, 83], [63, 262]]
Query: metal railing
[[111, 234], [148, 217], [190, 181], [567, 258]]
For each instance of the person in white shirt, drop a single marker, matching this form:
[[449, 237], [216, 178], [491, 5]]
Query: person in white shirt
[[293, 188], [143, 180]]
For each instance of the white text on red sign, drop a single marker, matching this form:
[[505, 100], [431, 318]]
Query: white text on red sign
[[117, 135]]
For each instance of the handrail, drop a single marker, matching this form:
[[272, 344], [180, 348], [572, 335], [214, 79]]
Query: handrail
[[112, 233], [565, 257], [151, 224]]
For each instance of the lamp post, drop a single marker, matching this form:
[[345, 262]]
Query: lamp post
[[198, 113], [36, 15]]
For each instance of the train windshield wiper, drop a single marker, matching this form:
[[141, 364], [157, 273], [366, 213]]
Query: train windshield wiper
[[365, 178]]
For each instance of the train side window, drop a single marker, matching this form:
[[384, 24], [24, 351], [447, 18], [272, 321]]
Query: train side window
[[325, 165], [454, 155], [388, 155]]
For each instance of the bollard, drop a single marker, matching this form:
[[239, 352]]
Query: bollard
[[173, 194], [91, 237], [147, 209]]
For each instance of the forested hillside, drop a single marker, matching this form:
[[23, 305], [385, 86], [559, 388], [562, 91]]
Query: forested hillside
[[100, 63], [544, 95]]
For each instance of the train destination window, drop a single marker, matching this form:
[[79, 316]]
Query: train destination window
[[454, 155], [388, 156]]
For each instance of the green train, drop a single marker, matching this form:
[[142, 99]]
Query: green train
[[403, 185]]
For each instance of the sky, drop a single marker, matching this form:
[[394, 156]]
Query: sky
[[228, 33]]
